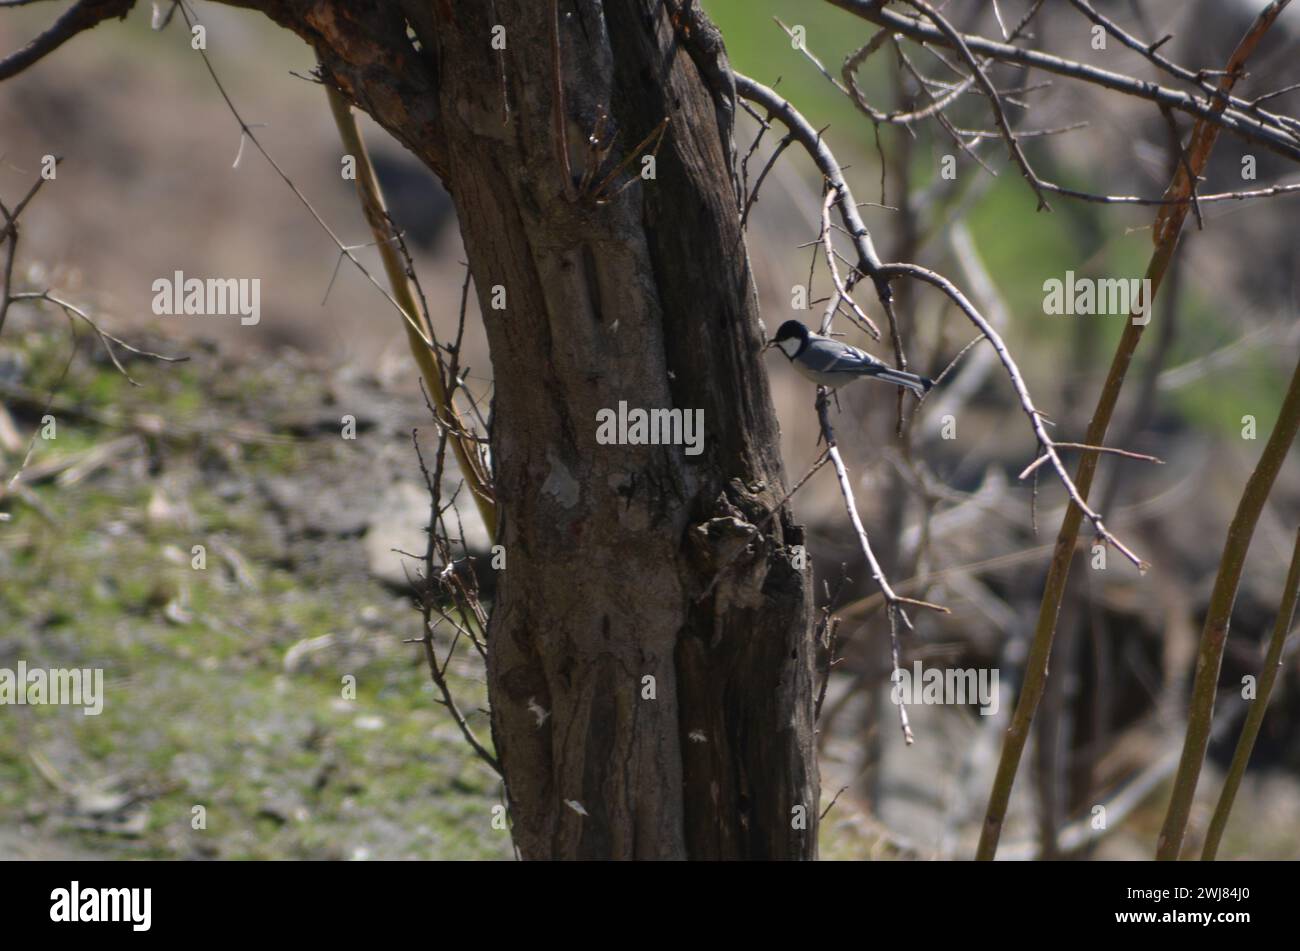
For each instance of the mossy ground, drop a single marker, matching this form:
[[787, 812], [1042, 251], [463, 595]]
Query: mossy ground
[[200, 708]]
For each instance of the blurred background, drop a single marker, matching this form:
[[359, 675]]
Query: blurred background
[[224, 686]]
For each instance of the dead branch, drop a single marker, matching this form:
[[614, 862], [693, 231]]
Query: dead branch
[[78, 18], [895, 603], [1267, 130]]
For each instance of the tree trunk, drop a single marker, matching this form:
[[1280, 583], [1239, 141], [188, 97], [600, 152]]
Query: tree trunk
[[650, 652]]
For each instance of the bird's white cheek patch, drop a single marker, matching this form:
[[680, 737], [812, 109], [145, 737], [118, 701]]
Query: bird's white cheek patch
[[789, 347]]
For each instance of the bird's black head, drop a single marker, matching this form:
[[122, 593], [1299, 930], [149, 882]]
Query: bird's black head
[[790, 338], [791, 330]]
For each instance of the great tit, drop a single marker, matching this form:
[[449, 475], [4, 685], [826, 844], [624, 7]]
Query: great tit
[[831, 363]]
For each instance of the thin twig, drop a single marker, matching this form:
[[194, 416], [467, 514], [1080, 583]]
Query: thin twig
[[246, 129], [895, 603], [106, 338], [1127, 454], [1247, 126], [995, 101], [9, 233]]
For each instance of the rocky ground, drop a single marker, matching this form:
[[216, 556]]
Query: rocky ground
[[225, 687]]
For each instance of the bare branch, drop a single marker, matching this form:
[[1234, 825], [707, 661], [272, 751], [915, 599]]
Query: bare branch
[[1199, 78], [1033, 466], [106, 338], [1045, 441], [9, 234], [995, 102], [1267, 131], [811, 140], [81, 16], [881, 274], [895, 603]]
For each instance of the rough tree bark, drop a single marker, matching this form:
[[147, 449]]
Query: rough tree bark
[[611, 549], [623, 562]]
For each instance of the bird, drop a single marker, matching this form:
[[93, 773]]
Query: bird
[[831, 363]]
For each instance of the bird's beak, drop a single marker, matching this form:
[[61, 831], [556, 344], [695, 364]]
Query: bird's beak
[[768, 346]]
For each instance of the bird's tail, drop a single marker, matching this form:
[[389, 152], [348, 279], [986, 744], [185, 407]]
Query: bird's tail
[[919, 385]]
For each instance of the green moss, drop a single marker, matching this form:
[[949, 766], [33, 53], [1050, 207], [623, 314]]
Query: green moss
[[201, 711]]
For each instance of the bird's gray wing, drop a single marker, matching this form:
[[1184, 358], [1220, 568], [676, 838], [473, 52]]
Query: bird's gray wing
[[823, 355]]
